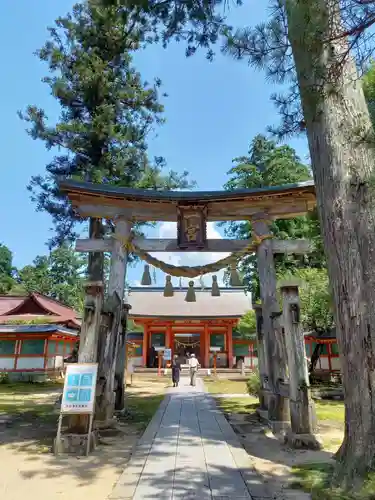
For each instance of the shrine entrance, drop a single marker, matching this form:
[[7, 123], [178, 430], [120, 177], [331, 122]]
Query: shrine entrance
[[186, 344], [209, 308]]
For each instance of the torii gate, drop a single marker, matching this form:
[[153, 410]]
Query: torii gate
[[192, 210]]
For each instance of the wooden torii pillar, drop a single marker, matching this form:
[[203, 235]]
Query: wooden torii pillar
[[302, 408], [273, 361], [112, 341]]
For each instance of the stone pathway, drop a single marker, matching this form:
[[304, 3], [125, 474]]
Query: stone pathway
[[189, 451]]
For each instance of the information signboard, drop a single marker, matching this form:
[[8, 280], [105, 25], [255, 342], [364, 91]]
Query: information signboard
[[79, 388]]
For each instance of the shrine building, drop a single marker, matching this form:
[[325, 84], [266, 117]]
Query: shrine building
[[207, 326], [201, 327], [36, 334]]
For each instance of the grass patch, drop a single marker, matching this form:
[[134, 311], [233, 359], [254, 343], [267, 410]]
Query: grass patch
[[238, 405], [23, 399], [330, 410], [143, 408], [27, 408], [316, 479], [225, 386], [30, 388]]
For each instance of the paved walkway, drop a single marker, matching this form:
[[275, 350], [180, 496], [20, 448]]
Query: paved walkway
[[189, 451]]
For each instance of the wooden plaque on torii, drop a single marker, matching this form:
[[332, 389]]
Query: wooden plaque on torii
[[191, 227]]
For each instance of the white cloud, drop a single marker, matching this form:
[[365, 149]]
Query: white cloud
[[169, 230]]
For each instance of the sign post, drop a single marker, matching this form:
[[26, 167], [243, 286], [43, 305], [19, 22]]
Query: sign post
[[78, 396], [160, 350], [215, 350]]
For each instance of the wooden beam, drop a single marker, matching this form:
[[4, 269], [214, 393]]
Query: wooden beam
[[277, 208], [298, 247]]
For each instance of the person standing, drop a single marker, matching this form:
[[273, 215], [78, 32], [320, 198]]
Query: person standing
[[176, 369], [193, 365]]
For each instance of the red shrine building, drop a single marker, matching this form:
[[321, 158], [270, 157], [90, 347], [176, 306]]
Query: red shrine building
[[206, 326], [36, 334], [201, 327]]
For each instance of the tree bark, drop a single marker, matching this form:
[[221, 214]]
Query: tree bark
[[337, 119], [95, 269], [121, 359], [89, 335], [262, 367], [88, 343], [302, 408], [112, 340], [107, 348], [315, 358], [273, 342]]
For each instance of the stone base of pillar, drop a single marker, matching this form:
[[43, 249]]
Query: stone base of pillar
[[75, 444], [278, 408], [279, 426], [303, 441], [110, 423], [262, 414]]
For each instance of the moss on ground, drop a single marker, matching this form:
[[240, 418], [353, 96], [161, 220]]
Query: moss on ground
[[316, 480], [216, 385]]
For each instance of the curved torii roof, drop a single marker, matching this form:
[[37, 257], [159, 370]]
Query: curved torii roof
[[107, 201]]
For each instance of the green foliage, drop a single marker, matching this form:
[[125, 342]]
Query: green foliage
[[106, 111], [195, 21], [253, 383], [4, 378], [315, 297], [42, 320], [368, 82], [132, 327], [317, 478], [270, 165], [59, 275], [6, 270], [246, 327]]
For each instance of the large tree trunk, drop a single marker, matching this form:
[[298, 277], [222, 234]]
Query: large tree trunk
[[89, 336], [111, 355], [337, 119]]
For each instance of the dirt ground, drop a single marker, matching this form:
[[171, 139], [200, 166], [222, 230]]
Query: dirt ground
[[29, 469], [274, 460]]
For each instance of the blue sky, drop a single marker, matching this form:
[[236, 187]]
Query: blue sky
[[213, 110]]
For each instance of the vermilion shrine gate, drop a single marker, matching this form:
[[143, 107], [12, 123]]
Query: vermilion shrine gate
[[192, 211]]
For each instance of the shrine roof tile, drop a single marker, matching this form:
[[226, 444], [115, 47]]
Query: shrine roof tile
[[37, 329], [68, 185], [47, 319], [8, 302], [16, 308], [150, 302]]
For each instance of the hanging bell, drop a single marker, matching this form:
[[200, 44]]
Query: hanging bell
[[146, 276], [190, 294], [234, 279], [215, 290], [168, 289]]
